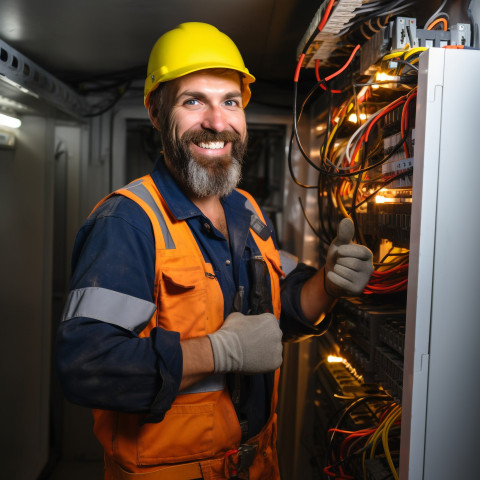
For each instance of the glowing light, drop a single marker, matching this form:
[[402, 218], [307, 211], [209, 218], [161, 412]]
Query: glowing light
[[8, 121], [385, 77], [353, 117], [334, 359]]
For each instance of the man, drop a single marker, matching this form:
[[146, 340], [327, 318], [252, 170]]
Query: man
[[173, 327]]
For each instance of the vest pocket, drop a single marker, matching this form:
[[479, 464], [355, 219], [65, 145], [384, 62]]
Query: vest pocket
[[185, 434], [182, 302]]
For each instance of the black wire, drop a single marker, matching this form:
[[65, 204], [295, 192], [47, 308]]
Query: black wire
[[310, 224], [326, 232], [374, 165], [328, 237], [307, 158], [297, 119], [388, 182], [119, 95], [290, 166], [346, 410], [404, 62]]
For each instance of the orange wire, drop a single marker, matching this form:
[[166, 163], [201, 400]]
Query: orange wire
[[436, 22]]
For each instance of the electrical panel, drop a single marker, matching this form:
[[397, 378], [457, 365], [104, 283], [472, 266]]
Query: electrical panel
[[367, 151]]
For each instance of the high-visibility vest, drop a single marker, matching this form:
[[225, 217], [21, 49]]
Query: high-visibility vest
[[201, 426]]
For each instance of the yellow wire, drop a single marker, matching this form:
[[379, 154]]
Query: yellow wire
[[386, 448], [413, 51], [340, 204], [378, 433], [394, 54], [340, 122]]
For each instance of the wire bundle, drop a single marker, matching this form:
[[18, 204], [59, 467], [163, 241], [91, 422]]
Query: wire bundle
[[372, 16], [348, 450], [389, 277], [349, 163]]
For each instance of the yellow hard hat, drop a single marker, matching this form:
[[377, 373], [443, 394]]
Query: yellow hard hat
[[191, 47]]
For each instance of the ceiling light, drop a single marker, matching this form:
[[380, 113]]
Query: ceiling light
[[9, 121]]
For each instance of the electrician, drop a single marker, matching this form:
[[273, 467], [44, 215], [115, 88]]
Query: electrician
[[172, 331]]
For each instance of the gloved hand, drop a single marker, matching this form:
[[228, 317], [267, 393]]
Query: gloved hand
[[247, 344], [348, 266]]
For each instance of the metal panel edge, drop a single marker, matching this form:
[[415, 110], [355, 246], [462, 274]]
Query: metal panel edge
[[422, 244]]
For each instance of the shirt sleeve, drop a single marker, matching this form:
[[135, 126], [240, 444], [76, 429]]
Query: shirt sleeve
[[101, 360], [294, 325]]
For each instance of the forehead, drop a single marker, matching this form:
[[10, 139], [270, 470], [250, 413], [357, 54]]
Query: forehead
[[210, 80]]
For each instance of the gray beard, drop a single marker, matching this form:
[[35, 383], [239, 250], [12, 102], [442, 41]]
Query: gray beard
[[202, 176], [204, 182]]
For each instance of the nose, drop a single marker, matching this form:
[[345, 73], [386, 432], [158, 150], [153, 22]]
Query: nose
[[214, 119]]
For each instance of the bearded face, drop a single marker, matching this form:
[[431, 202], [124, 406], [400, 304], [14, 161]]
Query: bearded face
[[204, 175], [203, 129]]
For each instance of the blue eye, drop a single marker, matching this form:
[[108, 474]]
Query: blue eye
[[191, 101]]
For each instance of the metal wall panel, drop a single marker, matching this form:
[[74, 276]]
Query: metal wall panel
[[441, 357]]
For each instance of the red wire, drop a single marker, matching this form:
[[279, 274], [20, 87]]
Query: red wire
[[390, 270], [355, 50], [317, 74], [299, 66], [404, 120], [364, 137], [348, 432], [326, 15], [341, 476]]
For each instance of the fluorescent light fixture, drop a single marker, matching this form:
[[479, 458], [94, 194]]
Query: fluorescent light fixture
[[8, 121]]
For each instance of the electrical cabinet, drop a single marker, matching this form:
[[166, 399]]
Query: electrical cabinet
[[418, 347], [440, 385]]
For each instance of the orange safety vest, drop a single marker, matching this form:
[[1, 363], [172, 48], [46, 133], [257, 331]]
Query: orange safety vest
[[200, 433]]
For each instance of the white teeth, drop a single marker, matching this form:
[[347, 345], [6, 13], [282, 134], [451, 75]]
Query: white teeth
[[212, 145]]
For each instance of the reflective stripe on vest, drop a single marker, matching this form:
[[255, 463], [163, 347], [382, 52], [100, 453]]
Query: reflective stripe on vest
[[201, 424], [108, 306], [139, 189], [213, 383]]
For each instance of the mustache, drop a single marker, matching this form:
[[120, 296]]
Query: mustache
[[197, 136]]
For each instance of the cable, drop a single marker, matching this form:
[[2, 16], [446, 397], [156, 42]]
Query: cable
[[347, 63], [121, 92], [436, 22], [434, 16], [326, 15], [319, 28], [356, 403], [296, 118]]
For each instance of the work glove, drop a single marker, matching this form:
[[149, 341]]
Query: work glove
[[247, 344], [348, 266]]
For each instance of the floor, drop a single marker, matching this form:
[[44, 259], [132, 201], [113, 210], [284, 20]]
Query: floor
[[88, 470]]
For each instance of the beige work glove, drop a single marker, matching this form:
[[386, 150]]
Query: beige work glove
[[247, 344], [348, 266]]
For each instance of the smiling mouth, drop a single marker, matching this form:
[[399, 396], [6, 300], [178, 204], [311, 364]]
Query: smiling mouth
[[211, 145]]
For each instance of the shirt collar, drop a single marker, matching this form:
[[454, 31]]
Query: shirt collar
[[178, 203], [183, 208]]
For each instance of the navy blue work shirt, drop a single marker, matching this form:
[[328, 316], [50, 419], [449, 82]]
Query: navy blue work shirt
[[101, 365]]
